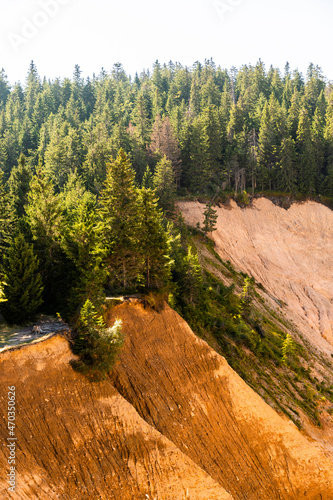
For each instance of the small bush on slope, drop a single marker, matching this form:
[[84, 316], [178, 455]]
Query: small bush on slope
[[96, 345]]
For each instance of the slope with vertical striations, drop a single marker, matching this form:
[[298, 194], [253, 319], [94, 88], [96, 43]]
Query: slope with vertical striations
[[78, 441], [183, 388], [290, 252]]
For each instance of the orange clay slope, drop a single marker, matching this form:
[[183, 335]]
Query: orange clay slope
[[189, 393], [83, 441], [173, 421]]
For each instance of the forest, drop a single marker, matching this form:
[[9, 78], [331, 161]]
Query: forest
[[90, 169]]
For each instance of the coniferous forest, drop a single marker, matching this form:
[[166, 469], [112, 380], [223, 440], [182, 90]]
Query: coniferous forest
[[90, 169]]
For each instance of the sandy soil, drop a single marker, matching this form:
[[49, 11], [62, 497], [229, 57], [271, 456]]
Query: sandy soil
[[183, 388], [83, 441], [173, 422], [290, 252]]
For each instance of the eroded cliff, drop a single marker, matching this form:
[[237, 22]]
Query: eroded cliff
[[290, 252], [173, 421], [77, 440]]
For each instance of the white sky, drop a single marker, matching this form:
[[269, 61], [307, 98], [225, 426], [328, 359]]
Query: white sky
[[57, 34]]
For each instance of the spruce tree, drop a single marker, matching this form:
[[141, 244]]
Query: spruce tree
[[165, 185], [96, 345], [6, 222], [164, 142], [287, 169], [153, 241], [328, 136], [45, 219], [147, 180], [306, 168], [19, 186], [23, 286], [209, 223], [82, 241], [119, 215]]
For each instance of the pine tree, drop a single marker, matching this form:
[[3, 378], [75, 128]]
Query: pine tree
[[22, 286], [164, 184], [288, 348], [287, 173], [32, 88], [191, 281], [97, 345], [19, 186], [318, 141], [45, 218], [6, 223], [209, 223], [4, 89], [293, 114], [98, 146], [82, 241], [147, 180], [153, 241], [141, 114], [328, 136], [164, 142], [119, 214], [306, 167]]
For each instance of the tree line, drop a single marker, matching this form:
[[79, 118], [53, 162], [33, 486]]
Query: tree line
[[90, 169], [247, 129]]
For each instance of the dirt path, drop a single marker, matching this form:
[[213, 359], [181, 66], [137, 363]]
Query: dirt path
[[11, 336]]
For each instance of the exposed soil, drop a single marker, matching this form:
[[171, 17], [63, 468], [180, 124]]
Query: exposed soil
[[173, 422], [183, 388], [290, 252], [83, 441]]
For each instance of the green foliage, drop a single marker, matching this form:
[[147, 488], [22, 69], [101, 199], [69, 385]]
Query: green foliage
[[19, 185], [288, 348], [119, 213], [217, 128], [6, 223], [238, 323], [82, 242], [243, 198], [209, 223], [165, 185], [22, 287], [153, 241], [45, 217], [95, 344], [147, 180]]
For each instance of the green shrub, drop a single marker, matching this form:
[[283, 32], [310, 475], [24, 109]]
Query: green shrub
[[96, 345]]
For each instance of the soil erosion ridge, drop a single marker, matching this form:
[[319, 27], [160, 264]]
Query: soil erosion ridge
[[173, 421], [290, 252], [83, 441]]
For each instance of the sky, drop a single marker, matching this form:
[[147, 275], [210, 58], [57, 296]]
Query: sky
[[57, 34]]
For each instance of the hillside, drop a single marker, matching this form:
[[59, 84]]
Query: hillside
[[80, 441], [173, 422], [290, 252]]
